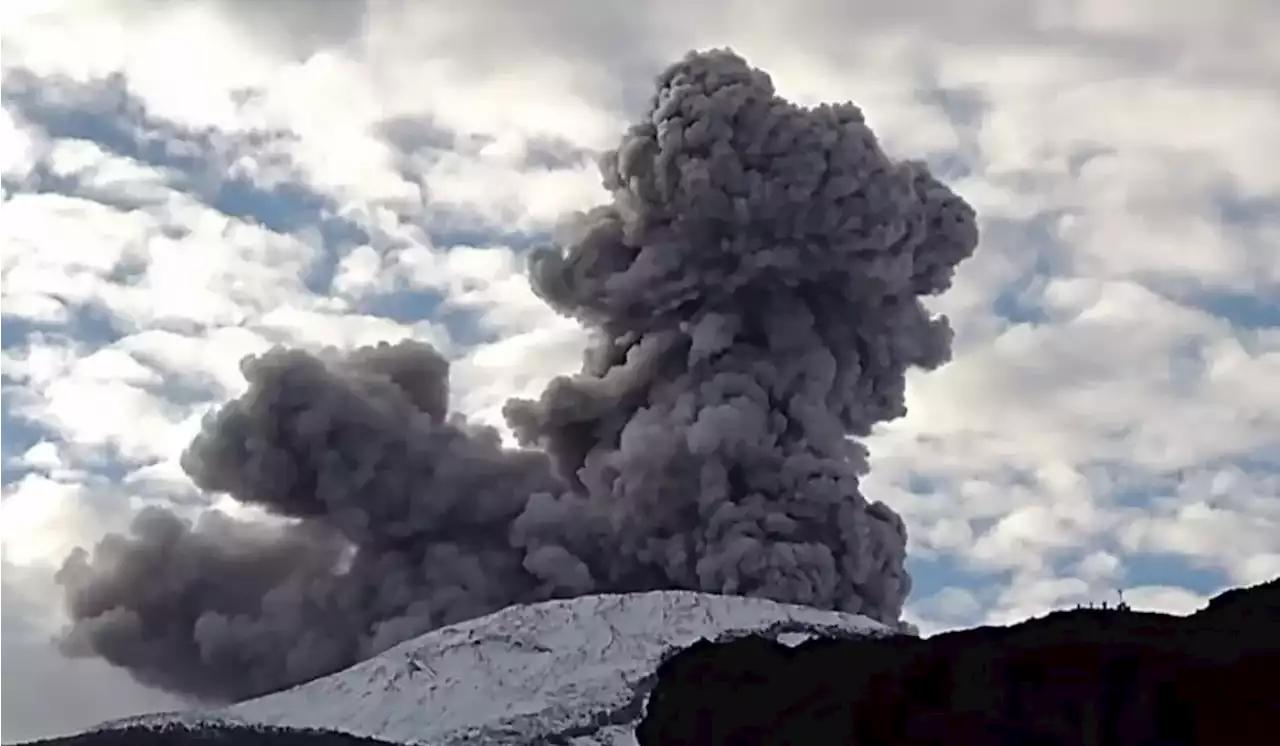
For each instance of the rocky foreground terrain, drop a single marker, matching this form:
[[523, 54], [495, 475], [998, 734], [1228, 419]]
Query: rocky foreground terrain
[[630, 669], [1103, 677], [211, 734]]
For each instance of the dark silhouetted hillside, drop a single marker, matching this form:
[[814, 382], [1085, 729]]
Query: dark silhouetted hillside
[[209, 735], [1083, 677]]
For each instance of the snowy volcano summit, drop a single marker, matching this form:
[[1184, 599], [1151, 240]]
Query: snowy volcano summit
[[570, 671], [574, 671]]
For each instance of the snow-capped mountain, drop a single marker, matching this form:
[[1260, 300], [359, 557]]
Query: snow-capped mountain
[[578, 668], [573, 671]]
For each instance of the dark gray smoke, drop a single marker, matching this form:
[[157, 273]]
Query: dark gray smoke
[[754, 290]]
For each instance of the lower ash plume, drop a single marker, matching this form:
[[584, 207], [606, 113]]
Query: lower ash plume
[[754, 289]]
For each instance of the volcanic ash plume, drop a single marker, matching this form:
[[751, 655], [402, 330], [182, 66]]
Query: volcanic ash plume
[[753, 288]]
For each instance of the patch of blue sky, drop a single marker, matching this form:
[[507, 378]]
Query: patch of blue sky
[[1252, 220], [84, 322], [1171, 570], [110, 116], [1245, 311], [931, 573], [17, 436], [1043, 257], [964, 108]]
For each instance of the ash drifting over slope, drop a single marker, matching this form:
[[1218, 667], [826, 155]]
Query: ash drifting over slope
[[753, 289]]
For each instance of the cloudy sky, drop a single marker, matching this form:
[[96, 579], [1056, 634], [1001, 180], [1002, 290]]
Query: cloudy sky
[[187, 183]]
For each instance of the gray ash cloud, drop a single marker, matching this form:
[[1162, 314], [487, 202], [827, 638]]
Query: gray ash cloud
[[753, 289]]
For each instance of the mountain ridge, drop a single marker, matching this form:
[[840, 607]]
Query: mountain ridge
[[207, 734], [1110, 677], [571, 671], [640, 669]]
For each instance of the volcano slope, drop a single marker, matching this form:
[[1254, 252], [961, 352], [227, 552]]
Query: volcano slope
[[1108, 677], [210, 734]]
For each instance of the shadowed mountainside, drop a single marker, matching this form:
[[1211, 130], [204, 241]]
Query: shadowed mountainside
[[1093, 677], [210, 734]]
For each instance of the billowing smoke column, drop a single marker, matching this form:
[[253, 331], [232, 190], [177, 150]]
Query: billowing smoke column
[[754, 291]]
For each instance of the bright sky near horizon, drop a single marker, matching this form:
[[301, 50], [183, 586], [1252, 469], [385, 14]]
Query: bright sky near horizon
[[187, 183]]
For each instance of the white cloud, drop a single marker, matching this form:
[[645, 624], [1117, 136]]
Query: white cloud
[[20, 147], [1112, 397], [44, 518]]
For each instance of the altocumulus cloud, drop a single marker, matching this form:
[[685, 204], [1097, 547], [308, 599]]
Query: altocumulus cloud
[[379, 175]]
